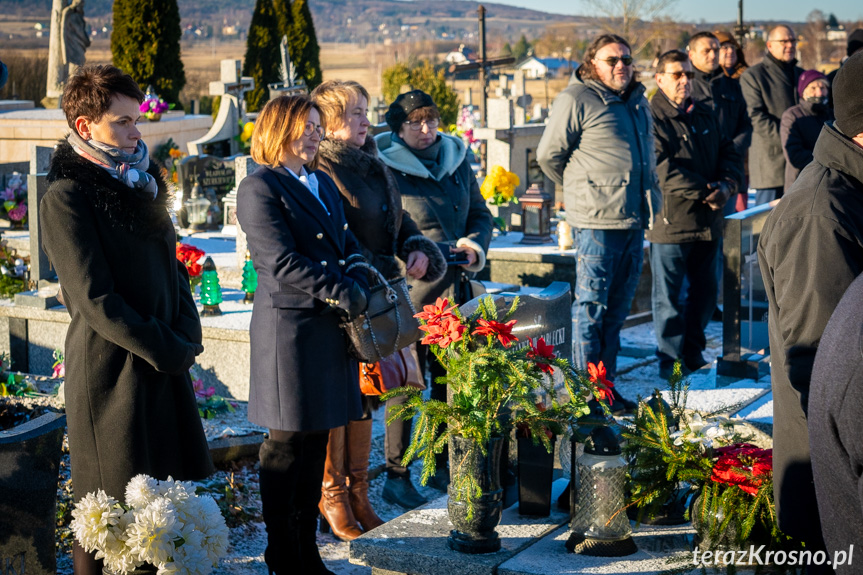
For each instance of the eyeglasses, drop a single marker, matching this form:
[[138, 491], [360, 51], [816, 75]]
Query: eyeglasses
[[785, 41], [417, 126], [613, 60], [312, 128], [678, 75]]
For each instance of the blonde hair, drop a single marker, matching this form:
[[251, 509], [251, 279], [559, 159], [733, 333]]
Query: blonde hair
[[333, 98], [281, 122]]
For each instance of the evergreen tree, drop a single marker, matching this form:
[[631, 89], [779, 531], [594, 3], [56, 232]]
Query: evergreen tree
[[832, 21], [262, 58], [284, 19], [521, 48], [303, 42], [145, 43]]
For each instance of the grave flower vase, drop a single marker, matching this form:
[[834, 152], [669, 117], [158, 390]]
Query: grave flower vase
[[29, 471], [535, 471], [475, 534]]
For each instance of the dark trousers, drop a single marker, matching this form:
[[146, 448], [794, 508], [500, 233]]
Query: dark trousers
[[398, 434], [679, 325]]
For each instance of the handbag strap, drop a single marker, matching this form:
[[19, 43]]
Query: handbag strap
[[391, 296]]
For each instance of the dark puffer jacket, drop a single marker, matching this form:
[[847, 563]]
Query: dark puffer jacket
[[801, 125], [373, 209], [811, 249], [691, 152], [130, 405]]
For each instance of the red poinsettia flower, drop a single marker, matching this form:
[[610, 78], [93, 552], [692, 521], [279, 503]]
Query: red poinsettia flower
[[540, 352], [744, 465], [444, 332], [503, 331], [603, 386], [432, 313], [189, 255]]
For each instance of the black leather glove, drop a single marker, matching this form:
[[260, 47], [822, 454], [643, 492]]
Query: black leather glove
[[359, 301]]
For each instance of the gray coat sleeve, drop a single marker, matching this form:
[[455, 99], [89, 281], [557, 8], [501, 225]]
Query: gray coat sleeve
[[762, 120], [560, 137]]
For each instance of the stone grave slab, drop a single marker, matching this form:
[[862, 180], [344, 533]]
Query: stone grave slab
[[217, 178], [29, 472], [660, 549], [416, 542], [545, 314]]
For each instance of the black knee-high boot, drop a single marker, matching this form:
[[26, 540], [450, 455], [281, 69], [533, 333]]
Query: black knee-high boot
[[281, 464], [308, 498]]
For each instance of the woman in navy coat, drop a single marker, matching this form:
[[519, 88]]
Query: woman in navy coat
[[303, 381]]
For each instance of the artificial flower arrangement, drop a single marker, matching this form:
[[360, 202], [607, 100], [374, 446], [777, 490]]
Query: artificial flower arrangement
[[209, 403], [163, 523], [13, 271], [673, 448], [468, 120], [59, 367], [15, 199], [153, 107], [495, 386], [190, 256], [498, 188]]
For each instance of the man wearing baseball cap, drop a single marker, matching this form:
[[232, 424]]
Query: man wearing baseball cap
[[811, 249]]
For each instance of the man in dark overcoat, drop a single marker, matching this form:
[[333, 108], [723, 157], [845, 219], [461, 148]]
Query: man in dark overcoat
[[698, 169], [770, 88], [811, 249], [135, 330]]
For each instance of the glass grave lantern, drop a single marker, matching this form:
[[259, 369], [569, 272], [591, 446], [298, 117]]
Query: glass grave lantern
[[197, 208], [536, 216], [600, 526]]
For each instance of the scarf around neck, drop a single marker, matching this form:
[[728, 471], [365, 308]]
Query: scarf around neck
[[130, 169]]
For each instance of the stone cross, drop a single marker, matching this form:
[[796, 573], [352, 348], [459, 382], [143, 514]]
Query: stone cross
[[232, 87], [244, 165], [37, 184]]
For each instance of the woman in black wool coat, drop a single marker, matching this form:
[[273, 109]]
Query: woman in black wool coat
[[303, 382], [135, 331]]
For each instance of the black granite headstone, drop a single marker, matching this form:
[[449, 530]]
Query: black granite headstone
[[29, 471], [216, 177]]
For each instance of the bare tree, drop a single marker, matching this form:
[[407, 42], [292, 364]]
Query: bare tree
[[812, 49], [632, 19]]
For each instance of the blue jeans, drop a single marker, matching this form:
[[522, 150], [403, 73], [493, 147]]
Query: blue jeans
[[679, 325], [607, 270], [764, 195]]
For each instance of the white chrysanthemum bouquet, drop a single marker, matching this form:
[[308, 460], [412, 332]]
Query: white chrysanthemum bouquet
[[163, 523]]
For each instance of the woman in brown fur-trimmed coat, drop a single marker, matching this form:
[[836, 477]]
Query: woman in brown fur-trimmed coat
[[373, 208]]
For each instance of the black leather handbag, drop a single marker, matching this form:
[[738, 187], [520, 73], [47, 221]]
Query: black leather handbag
[[388, 324]]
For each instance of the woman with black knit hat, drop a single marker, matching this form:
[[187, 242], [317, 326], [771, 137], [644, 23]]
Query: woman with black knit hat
[[440, 191]]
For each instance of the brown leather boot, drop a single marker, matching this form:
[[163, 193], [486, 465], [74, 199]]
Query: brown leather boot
[[335, 503], [359, 444]]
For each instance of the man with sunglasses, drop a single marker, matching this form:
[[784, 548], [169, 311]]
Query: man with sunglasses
[[598, 146], [699, 168], [770, 88]]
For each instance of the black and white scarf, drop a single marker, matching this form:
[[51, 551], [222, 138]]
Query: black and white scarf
[[130, 169]]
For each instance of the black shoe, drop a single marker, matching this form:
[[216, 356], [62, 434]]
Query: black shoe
[[400, 491], [667, 370], [621, 405], [440, 480]]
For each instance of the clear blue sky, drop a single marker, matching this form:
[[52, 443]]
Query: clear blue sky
[[719, 10]]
